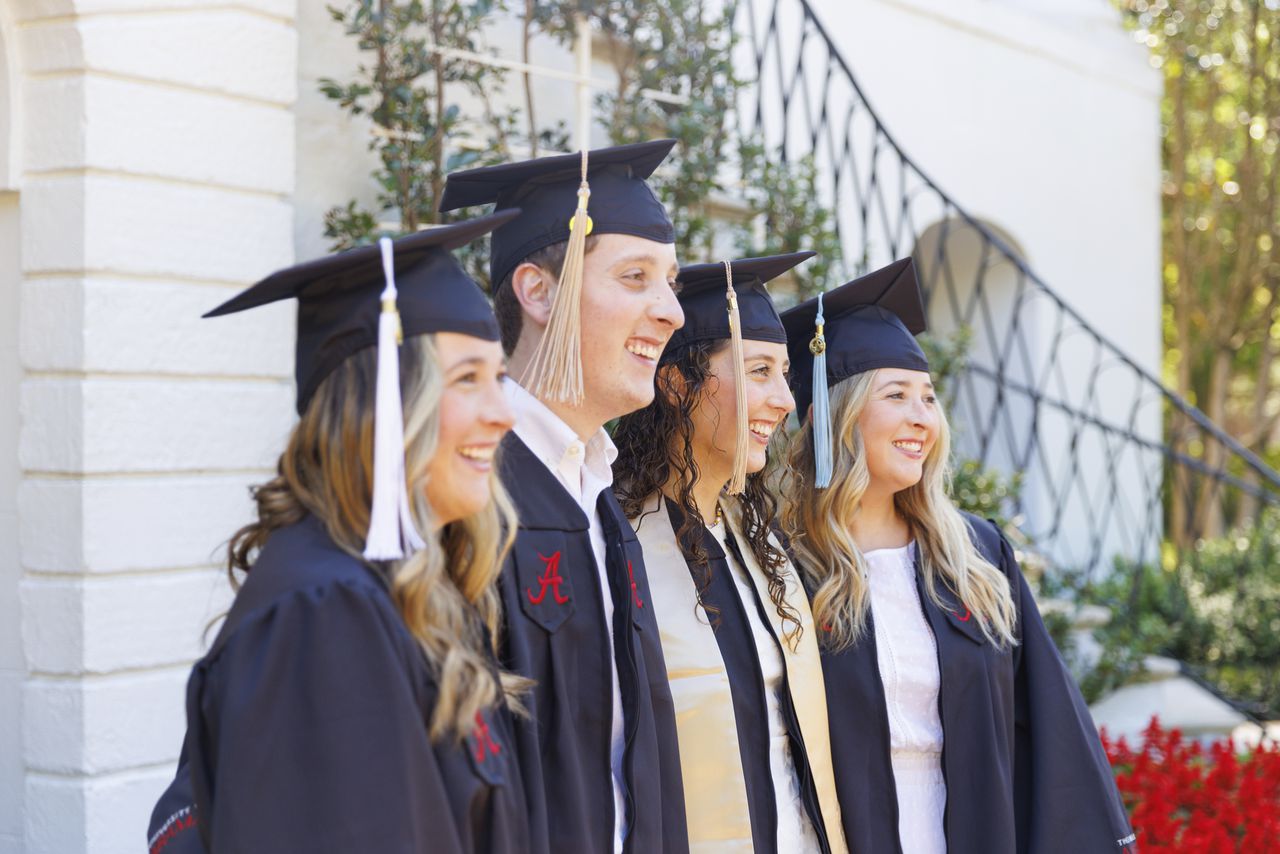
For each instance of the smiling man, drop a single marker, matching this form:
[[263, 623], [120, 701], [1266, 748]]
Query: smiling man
[[585, 311]]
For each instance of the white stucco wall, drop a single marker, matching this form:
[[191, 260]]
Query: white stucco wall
[[155, 183], [12, 662]]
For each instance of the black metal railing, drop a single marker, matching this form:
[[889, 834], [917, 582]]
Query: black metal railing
[[1112, 462]]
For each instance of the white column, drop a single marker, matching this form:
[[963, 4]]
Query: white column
[[13, 668], [582, 53], [156, 179]]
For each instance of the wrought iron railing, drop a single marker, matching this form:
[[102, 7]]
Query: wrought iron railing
[[1112, 462]]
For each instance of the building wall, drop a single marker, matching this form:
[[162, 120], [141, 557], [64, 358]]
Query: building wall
[[155, 182], [1040, 118]]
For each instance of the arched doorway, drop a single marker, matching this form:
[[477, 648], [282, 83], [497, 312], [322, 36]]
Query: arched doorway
[[978, 295]]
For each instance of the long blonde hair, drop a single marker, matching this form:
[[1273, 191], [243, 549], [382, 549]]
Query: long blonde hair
[[818, 523], [446, 593]]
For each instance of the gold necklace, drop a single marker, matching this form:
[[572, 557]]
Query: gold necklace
[[719, 515]]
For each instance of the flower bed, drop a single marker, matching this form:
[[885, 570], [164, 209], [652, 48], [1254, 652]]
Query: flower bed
[[1186, 797]]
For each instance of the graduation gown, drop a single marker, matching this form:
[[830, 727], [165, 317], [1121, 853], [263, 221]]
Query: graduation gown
[[721, 705], [556, 634], [1024, 767], [307, 727]]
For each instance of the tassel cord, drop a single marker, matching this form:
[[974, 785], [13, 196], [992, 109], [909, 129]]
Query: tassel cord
[[823, 449], [741, 438]]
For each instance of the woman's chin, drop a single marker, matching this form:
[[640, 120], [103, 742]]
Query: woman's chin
[[458, 501]]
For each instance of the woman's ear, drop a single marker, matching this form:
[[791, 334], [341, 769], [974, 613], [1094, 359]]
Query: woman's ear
[[532, 287], [671, 383]]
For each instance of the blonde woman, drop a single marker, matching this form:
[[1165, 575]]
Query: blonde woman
[[955, 726], [737, 636], [350, 700]]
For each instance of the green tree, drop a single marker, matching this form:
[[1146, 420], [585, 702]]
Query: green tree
[[784, 216], [403, 87], [1220, 132]]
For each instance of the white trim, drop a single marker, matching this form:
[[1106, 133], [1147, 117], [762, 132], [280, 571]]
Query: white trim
[[10, 102]]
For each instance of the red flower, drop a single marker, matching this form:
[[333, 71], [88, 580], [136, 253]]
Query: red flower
[[1184, 797]]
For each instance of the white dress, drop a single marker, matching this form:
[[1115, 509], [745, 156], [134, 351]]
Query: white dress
[[795, 831], [907, 655]]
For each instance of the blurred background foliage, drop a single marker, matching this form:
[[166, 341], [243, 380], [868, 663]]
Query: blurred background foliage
[[1220, 132], [1215, 607], [675, 78]]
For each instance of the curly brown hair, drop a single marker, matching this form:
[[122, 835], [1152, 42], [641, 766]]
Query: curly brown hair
[[645, 467]]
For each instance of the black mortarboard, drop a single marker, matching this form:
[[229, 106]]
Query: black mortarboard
[[339, 297], [870, 322], [546, 190], [702, 296]]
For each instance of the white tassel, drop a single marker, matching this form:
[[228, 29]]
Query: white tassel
[[822, 445], [392, 534]]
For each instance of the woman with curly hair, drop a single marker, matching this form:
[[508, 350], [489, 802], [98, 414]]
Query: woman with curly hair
[[350, 700], [955, 725], [736, 631]]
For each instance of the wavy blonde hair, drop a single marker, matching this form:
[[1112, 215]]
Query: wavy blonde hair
[[446, 593], [818, 523]]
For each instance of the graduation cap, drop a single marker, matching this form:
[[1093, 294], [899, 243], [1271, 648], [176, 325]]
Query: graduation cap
[[865, 324], [703, 293], [728, 299], [553, 192], [375, 295]]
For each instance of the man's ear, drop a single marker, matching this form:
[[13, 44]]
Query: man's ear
[[532, 287]]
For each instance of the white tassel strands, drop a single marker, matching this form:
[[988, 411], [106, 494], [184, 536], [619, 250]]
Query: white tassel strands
[[555, 371], [392, 534]]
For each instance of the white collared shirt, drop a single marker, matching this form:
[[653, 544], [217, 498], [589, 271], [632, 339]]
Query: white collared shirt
[[584, 470]]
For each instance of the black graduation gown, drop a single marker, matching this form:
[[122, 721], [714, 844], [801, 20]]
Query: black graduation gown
[[746, 681], [557, 636], [1024, 767], [307, 727]]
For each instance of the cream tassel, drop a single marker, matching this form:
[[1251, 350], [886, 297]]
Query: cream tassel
[[555, 371], [738, 481], [392, 534], [822, 446]]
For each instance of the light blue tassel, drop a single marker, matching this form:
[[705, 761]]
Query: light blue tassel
[[822, 445]]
